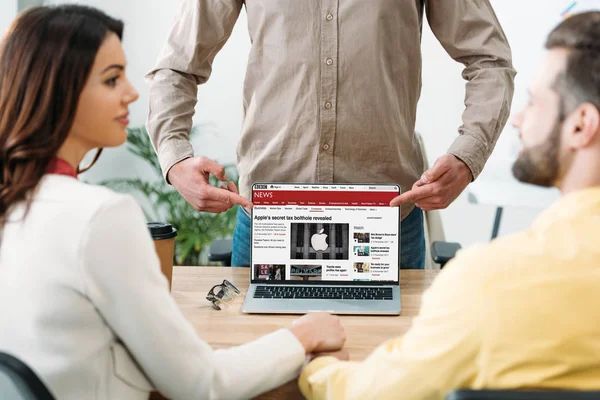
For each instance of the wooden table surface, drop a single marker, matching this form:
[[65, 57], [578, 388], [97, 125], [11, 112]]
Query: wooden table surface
[[230, 327]]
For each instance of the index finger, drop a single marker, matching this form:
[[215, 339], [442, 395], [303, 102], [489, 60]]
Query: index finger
[[412, 195], [227, 196]]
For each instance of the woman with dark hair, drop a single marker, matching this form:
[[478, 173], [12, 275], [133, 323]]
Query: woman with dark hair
[[84, 303]]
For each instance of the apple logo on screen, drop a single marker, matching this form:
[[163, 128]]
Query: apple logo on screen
[[319, 241]]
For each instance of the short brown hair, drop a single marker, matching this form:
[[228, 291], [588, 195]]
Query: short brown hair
[[580, 82]]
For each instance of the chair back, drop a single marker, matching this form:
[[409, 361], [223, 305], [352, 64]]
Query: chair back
[[19, 382], [521, 395]]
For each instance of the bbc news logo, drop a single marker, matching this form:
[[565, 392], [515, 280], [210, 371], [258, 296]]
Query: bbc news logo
[[263, 195], [257, 186]]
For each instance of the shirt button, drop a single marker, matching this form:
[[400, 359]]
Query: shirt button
[[329, 61], [329, 17], [325, 147], [328, 105]]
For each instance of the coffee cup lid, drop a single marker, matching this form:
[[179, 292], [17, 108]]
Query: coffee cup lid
[[161, 230]]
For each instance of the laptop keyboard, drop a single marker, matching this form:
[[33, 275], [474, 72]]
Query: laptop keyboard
[[312, 292]]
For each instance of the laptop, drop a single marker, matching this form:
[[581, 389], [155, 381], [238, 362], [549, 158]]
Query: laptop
[[324, 247]]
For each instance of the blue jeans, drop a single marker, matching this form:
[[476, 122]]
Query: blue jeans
[[412, 241]]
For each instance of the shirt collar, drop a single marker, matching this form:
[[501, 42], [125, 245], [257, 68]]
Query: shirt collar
[[572, 205], [61, 167]]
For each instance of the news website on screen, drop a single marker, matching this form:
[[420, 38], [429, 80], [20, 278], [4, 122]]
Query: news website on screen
[[303, 232]]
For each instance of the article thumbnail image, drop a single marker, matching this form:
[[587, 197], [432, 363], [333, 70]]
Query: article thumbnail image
[[306, 272], [362, 268], [362, 237], [269, 272], [362, 251], [316, 241]]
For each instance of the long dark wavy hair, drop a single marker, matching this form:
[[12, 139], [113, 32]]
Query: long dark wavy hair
[[45, 59]]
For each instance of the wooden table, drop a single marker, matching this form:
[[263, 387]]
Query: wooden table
[[230, 327]]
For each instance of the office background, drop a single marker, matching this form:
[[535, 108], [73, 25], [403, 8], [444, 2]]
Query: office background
[[219, 110]]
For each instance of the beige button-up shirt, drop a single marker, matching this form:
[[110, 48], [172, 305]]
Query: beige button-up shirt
[[332, 86]]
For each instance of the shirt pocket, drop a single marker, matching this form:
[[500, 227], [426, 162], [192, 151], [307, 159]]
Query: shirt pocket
[[127, 370]]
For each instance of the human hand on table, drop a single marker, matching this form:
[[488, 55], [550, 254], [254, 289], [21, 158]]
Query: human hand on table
[[191, 179], [319, 332], [439, 186]]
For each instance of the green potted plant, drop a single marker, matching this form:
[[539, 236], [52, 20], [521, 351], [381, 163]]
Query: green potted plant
[[196, 230]]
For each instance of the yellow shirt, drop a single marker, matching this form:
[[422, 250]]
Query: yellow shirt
[[520, 312]]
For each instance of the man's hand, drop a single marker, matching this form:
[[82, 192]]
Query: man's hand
[[190, 178], [439, 186], [319, 332]]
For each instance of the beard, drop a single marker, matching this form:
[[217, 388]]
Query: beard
[[540, 165]]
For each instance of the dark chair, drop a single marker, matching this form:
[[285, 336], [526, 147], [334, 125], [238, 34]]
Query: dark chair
[[220, 251], [19, 382], [442, 252], [521, 395]]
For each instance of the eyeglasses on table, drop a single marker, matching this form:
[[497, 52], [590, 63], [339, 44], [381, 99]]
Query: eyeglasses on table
[[223, 293]]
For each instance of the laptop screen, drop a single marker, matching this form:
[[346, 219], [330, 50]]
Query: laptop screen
[[312, 233]]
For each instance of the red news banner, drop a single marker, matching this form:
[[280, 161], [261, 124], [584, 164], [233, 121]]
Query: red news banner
[[322, 198]]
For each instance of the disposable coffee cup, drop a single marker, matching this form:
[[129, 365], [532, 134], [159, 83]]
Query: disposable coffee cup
[[164, 242]]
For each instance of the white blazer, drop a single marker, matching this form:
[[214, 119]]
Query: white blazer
[[85, 305]]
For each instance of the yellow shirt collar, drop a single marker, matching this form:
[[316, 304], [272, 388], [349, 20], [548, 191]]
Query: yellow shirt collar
[[572, 205]]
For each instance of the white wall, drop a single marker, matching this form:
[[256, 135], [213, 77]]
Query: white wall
[[8, 10], [219, 108]]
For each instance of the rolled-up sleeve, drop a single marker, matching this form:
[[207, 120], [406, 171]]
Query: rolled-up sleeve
[[471, 34], [200, 30]]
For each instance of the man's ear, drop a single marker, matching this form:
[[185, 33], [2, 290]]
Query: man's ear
[[583, 126]]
